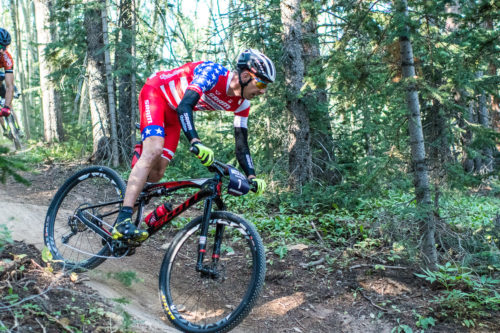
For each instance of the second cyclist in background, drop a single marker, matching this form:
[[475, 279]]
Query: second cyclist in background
[[7, 64]]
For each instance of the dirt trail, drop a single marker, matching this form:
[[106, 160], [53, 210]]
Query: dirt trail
[[26, 224], [302, 293]]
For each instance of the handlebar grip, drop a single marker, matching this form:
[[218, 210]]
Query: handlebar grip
[[253, 186], [194, 150]]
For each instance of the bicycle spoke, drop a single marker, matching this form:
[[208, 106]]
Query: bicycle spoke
[[201, 300], [92, 196]]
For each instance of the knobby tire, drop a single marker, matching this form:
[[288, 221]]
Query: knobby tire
[[194, 303], [85, 249]]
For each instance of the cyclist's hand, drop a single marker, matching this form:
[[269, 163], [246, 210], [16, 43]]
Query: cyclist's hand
[[5, 111], [205, 154], [261, 185]]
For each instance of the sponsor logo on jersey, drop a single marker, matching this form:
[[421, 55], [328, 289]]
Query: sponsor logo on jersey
[[186, 124], [168, 76], [148, 111], [219, 101]]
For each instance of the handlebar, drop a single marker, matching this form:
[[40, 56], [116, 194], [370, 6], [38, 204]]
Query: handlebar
[[222, 168]]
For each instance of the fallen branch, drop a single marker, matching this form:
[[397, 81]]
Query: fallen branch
[[313, 263], [376, 266], [39, 323], [317, 232], [52, 318], [375, 305]]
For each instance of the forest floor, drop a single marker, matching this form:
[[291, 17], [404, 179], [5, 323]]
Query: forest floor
[[302, 293]]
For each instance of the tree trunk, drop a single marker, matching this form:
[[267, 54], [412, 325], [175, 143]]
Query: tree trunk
[[124, 58], [299, 140], [83, 108], [461, 96], [96, 81], [52, 121], [20, 63], [134, 109], [109, 84], [31, 54], [322, 143], [494, 100], [421, 177], [484, 121]]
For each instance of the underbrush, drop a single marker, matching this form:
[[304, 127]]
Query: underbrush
[[385, 230], [381, 224], [467, 296], [35, 299]]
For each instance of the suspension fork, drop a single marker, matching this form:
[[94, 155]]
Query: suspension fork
[[202, 244], [210, 271], [219, 232]]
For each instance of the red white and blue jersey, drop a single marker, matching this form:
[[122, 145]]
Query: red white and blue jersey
[[210, 80]]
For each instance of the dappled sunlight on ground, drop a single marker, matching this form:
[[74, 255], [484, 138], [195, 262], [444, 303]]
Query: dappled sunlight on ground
[[279, 306], [384, 286]]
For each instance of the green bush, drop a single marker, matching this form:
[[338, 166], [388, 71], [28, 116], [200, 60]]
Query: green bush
[[10, 165], [467, 296], [5, 237]]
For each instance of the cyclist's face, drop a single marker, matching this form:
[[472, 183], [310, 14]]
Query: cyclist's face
[[255, 88]]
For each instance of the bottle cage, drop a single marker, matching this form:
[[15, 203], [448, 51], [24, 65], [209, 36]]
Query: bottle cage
[[238, 183]]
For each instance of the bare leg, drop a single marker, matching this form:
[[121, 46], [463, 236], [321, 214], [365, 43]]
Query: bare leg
[[150, 159]]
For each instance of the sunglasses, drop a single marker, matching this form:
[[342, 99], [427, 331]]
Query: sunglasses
[[259, 83]]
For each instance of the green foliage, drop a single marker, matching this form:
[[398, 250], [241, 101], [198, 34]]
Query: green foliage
[[401, 328], [469, 211], [77, 148], [467, 296], [127, 278], [46, 255], [5, 237], [425, 322], [10, 165]]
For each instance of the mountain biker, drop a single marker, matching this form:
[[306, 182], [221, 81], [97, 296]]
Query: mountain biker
[[7, 64], [166, 104]]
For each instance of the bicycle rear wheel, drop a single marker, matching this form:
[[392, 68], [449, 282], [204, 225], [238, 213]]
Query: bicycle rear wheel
[[195, 302], [14, 132], [95, 194]]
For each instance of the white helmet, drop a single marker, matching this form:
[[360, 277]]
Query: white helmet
[[257, 63]]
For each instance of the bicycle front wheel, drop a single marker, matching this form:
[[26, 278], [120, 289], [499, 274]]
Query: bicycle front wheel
[[93, 195], [197, 302]]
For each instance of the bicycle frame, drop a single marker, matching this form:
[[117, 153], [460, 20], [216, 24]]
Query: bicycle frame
[[210, 191]]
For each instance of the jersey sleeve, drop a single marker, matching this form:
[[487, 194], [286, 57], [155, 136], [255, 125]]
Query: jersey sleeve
[[241, 115], [206, 76], [7, 63]]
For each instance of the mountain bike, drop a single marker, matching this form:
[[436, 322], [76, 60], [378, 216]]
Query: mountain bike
[[10, 127], [214, 268]]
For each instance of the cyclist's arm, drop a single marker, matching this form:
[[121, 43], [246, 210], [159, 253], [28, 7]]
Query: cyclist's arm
[[241, 144], [206, 75], [9, 89], [185, 114]]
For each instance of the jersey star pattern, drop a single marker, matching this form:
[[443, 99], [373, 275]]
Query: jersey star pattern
[[164, 90]]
